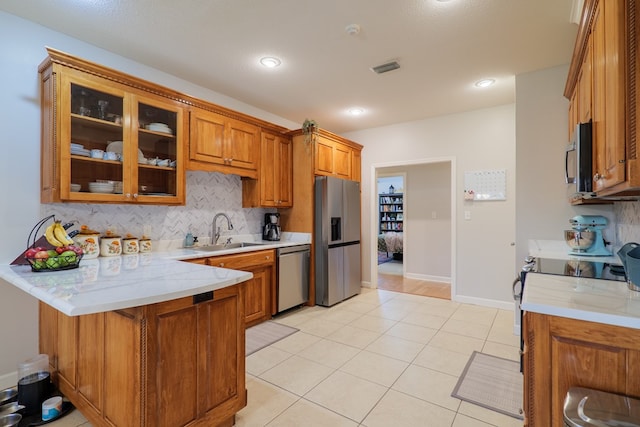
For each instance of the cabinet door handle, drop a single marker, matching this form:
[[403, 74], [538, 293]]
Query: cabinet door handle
[[128, 195], [597, 177], [222, 264], [267, 257], [135, 195], [230, 160]]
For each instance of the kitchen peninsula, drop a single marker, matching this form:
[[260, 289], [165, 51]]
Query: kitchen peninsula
[[578, 332], [143, 340]]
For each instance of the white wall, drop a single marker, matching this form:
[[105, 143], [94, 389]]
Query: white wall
[[477, 140], [429, 228], [22, 44], [542, 206]]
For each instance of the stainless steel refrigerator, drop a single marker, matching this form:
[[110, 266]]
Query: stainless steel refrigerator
[[336, 239]]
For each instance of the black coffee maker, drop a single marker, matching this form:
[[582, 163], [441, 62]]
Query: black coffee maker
[[271, 229]]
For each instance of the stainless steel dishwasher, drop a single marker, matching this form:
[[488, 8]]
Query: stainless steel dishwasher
[[293, 276]]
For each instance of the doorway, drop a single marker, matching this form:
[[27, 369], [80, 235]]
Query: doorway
[[390, 217], [428, 229]]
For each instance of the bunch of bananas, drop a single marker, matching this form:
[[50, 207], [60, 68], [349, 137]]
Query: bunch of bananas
[[57, 235]]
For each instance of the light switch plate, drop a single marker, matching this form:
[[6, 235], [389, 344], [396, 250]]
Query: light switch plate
[[467, 215]]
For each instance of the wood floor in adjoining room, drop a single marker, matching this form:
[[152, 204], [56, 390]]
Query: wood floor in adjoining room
[[398, 283]]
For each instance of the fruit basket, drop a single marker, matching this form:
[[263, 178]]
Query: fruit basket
[[55, 262], [61, 252]]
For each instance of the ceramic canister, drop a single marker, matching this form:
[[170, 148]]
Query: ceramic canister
[[130, 245], [145, 244], [89, 241], [110, 245]]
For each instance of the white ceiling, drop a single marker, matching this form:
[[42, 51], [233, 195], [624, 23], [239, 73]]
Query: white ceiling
[[442, 47]]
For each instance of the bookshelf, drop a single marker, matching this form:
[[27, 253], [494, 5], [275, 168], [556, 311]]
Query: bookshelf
[[391, 212]]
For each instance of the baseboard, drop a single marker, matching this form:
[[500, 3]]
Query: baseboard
[[366, 284], [502, 305], [428, 278], [8, 380]]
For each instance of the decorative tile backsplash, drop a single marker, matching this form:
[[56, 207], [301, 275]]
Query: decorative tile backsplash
[[627, 216], [208, 193]]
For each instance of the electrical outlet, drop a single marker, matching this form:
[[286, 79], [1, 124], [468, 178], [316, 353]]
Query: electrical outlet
[[467, 215], [434, 215]]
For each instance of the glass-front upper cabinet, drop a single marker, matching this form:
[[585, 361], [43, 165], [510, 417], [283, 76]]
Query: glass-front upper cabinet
[[95, 138], [106, 142], [158, 149]]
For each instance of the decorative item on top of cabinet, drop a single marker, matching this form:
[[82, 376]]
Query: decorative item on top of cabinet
[[309, 128], [222, 144], [100, 125], [602, 85], [274, 186]]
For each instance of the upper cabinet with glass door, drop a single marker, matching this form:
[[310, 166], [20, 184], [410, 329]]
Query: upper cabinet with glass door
[[107, 138], [156, 146]]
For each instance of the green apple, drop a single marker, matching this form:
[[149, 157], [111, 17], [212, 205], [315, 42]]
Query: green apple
[[53, 262], [39, 264]]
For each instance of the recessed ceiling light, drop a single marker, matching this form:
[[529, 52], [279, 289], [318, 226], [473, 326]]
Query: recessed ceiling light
[[485, 82], [270, 61], [355, 111]]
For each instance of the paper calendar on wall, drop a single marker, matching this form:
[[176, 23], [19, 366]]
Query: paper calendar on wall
[[485, 185]]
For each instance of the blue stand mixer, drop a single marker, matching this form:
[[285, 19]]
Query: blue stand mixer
[[586, 236]]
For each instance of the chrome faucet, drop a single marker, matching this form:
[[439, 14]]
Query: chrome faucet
[[216, 229]]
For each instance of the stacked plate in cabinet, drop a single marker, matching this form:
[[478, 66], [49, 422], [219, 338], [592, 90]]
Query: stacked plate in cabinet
[[159, 127], [101, 187], [79, 150]]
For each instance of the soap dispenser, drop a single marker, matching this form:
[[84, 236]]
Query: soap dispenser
[[188, 240]]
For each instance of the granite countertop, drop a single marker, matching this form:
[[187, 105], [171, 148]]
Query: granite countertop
[[593, 300], [112, 283]]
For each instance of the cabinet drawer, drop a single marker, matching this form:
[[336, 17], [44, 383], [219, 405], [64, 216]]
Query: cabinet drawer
[[243, 261]]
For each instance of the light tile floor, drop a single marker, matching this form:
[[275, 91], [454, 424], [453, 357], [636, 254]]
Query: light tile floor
[[379, 359]]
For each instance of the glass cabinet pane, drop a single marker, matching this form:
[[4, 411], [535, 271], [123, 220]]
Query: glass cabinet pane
[[96, 140], [157, 145]]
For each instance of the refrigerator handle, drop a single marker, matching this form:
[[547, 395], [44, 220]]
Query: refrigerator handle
[[336, 229]]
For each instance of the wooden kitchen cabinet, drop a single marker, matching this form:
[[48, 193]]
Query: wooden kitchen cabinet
[[609, 101], [585, 82], [333, 158], [580, 105], [222, 144], [85, 107], [175, 363], [605, 68], [274, 186], [561, 353], [259, 293]]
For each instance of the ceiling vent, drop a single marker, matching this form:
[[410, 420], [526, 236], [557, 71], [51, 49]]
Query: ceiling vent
[[384, 68]]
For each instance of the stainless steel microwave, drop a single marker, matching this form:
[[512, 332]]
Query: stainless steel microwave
[[579, 159]]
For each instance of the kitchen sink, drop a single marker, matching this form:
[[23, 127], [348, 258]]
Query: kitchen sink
[[213, 248]]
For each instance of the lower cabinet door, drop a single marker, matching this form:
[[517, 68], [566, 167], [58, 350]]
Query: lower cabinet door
[[196, 361], [257, 299]]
